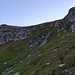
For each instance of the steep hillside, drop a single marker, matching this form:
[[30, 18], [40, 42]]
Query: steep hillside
[[44, 49]]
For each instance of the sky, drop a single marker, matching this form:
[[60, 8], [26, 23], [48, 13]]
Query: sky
[[32, 12]]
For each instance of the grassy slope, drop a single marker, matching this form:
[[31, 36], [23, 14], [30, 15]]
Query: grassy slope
[[32, 61]]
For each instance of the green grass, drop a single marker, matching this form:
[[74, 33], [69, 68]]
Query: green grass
[[35, 64]]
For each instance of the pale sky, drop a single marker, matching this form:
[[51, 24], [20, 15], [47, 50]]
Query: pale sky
[[32, 12]]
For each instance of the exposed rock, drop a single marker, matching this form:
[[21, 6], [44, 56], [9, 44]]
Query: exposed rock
[[61, 65], [55, 49], [62, 28], [18, 73], [9, 72], [58, 30], [5, 63], [48, 63], [43, 43], [73, 26], [69, 71], [13, 33], [56, 24], [28, 55], [71, 15], [64, 31], [20, 61], [28, 62]]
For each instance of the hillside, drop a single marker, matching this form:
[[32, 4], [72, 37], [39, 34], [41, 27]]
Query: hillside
[[44, 49]]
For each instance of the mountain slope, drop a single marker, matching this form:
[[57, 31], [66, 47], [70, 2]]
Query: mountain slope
[[44, 49]]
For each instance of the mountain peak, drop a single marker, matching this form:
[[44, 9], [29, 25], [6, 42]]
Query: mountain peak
[[72, 10], [71, 15]]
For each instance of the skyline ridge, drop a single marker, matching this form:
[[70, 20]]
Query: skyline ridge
[[42, 22]]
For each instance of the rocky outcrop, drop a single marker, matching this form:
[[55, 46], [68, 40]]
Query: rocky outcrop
[[71, 18], [73, 26], [12, 33], [71, 15]]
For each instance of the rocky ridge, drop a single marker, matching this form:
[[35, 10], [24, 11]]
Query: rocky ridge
[[14, 33]]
